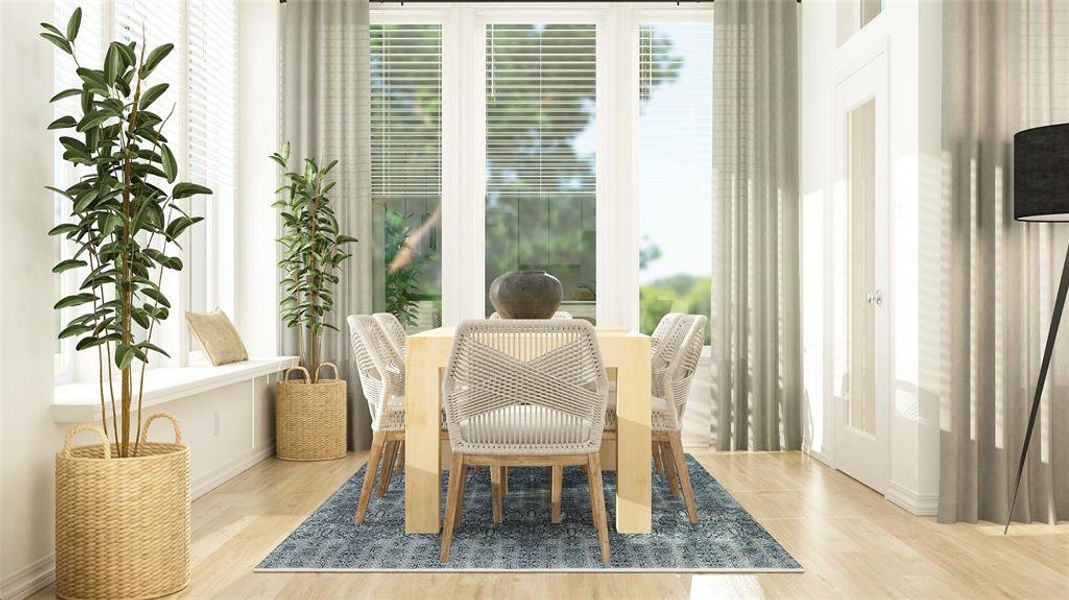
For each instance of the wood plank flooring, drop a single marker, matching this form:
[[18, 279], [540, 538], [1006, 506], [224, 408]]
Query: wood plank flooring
[[853, 543]]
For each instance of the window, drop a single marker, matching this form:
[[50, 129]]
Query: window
[[201, 129], [675, 169], [406, 168], [540, 156], [211, 133]]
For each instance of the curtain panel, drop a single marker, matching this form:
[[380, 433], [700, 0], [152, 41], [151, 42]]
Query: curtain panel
[[1004, 69], [756, 327], [325, 104]]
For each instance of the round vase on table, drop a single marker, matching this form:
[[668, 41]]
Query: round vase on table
[[526, 295]]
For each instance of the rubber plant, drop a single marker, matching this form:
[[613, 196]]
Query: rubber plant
[[125, 217], [313, 249]]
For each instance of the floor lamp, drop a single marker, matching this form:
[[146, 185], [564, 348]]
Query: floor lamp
[[1041, 194]]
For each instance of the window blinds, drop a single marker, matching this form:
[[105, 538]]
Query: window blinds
[[406, 117]]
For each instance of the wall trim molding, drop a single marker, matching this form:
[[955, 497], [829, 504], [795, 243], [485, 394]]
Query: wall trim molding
[[917, 504], [40, 574], [29, 579]]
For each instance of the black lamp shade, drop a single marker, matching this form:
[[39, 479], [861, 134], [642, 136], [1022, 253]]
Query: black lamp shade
[[1041, 174]]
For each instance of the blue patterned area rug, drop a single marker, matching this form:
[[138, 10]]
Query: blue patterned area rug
[[727, 539]]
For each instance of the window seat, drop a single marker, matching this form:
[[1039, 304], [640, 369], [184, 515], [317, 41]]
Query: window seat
[[80, 402]]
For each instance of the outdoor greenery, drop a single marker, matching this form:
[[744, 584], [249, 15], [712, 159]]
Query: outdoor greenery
[[404, 269], [125, 216], [312, 252]]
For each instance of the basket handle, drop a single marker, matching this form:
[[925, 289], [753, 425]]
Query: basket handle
[[327, 364], [286, 374], [169, 417], [104, 441]]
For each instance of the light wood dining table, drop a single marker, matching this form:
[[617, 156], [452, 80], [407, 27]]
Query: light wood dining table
[[625, 354]]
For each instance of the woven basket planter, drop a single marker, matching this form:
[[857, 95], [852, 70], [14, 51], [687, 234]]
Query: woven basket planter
[[310, 421], [122, 524]]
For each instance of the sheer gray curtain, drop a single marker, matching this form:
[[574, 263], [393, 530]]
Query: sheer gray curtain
[[1005, 68], [756, 347], [325, 100]]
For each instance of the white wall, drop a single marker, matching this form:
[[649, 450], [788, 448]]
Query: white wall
[[228, 429], [909, 31]]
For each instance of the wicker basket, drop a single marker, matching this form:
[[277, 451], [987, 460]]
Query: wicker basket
[[310, 422], [122, 524]]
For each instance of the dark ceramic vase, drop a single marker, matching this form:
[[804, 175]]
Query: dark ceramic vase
[[526, 295]]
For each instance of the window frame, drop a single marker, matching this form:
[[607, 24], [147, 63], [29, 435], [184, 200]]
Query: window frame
[[464, 154]]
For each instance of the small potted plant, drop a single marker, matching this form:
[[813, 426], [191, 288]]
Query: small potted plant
[[310, 415], [122, 504]]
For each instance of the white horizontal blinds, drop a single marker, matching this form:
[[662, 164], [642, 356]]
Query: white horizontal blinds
[[406, 165], [211, 130], [406, 115], [540, 139], [675, 141]]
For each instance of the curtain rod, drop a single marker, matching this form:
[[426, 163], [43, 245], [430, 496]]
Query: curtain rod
[[402, 2]]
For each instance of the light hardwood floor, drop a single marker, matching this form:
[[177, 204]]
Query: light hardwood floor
[[852, 542]]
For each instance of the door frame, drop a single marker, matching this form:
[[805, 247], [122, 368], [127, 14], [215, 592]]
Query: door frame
[[864, 80]]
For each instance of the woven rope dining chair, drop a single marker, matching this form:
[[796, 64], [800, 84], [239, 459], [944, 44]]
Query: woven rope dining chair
[[394, 330], [382, 377], [524, 393]]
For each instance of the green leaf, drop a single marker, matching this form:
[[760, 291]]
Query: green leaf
[[186, 189], [329, 166], [157, 296], [63, 123], [73, 330], [52, 28], [112, 63], [67, 265], [75, 300], [124, 355], [60, 43], [88, 342], [94, 119], [154, 58], [63, 228], [152, 94], [74, 23], [170, 166], [66, 94], [154, 348]]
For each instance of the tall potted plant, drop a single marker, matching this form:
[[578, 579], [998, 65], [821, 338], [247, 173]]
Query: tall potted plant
[[310, 419], [122, 505]]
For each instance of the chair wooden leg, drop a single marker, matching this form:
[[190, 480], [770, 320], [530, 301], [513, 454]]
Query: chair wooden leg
[[377, 443], [597, 504], [452, 502], [557, 482], [387, 467], [670, 470], [400, 466], [504, 481], [675, 441], [658, 457], [497, 489], [465, 474]]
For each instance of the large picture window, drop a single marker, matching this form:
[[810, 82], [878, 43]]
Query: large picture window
[[540, 156], [406, 168], [675, 169]]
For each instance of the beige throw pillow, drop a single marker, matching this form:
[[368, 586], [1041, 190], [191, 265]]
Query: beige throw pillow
[[217, 336]]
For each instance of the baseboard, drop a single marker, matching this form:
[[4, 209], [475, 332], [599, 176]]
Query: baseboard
[[921, 505], [820, 456], [24, 582], [230, 469]]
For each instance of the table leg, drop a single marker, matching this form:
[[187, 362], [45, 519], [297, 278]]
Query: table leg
[[633, 477], [422, 425]]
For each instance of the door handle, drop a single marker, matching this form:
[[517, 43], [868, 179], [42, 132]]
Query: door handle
[[877, 297]]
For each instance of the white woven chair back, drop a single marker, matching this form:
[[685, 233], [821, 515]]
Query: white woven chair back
[[525, 387], [395, 331], [665, 343], [684, 364], [382, 373], [560, 314]]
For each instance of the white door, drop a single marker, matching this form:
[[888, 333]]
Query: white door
[[862, 411]]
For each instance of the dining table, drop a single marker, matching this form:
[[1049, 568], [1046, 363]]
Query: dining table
[[626, 356]]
